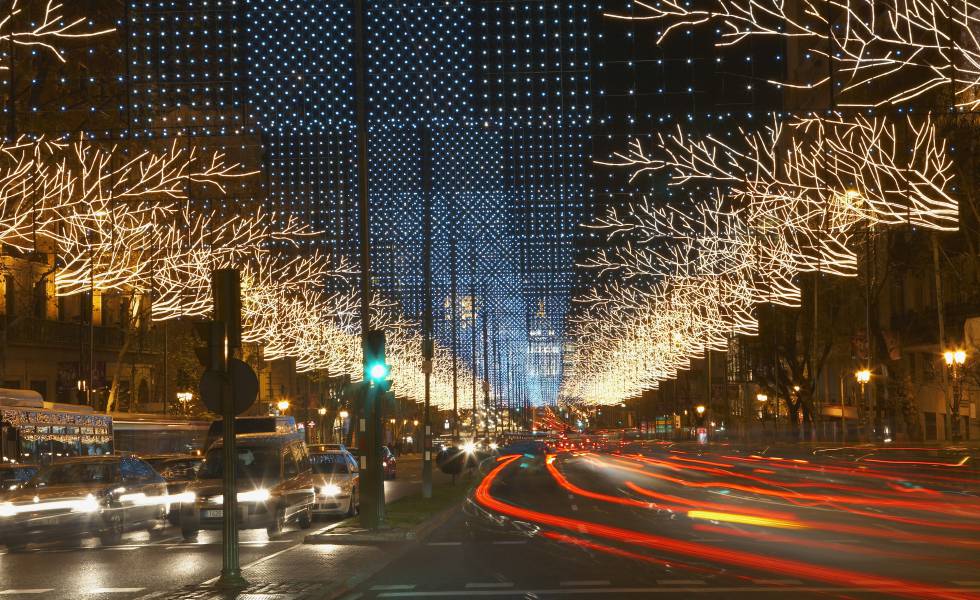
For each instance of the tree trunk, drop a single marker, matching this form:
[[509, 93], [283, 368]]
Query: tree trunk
[[113, 398]]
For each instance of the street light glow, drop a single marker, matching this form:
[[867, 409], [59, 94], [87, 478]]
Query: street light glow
[[863, 376]]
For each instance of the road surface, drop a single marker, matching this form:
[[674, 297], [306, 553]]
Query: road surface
[[680, 522]]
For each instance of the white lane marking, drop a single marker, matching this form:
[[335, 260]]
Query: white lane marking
[[510, 542], [121, 548], [584, 582], [777, 581], [444, 544], [387, 588], [492, 585], [680, 582], [108, 590], [13, 592]]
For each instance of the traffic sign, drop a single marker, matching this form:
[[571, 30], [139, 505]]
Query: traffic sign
[[244, 387]]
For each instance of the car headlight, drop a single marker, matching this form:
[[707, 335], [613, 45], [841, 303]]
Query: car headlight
[[183, 498], [330, 490], [259, 495], [469, 447], [87, 505]]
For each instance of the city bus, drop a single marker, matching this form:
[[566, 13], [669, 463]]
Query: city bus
[[34, 431]]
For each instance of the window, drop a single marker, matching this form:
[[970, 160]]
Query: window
[[136, 470]]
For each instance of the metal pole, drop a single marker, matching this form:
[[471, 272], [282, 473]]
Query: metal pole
[[372, 483], [473, 334], [427, 344], [455, 332], [486, 376], [226, 293]]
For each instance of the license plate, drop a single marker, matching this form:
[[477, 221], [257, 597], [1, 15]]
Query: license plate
[[214, 514]]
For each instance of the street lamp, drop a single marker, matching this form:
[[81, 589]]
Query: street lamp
[[282, 405], [184, 398], [344, 414], [955, 359], [863, 377]]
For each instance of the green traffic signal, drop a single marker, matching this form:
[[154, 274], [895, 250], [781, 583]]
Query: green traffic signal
[[378, 372]]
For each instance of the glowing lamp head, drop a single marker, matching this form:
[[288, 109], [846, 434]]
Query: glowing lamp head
[[863, 376], [282, 405], [322, 411], [344, 414], [700, 409]]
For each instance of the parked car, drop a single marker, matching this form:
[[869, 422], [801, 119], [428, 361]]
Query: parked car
[[179, 470], [335, 476], [275, 486], [14, 474], [388, 462], [92, 495]]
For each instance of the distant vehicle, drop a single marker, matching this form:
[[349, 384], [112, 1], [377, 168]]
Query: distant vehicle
[[281, 425], [275, 486], [144, 434], [179, 470], [327, 447], [336, 478], [94, 495], [388, 463], [15, 474]]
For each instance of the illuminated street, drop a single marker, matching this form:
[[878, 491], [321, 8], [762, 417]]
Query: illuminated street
[[86, 568], [364, 299], [663, 521]]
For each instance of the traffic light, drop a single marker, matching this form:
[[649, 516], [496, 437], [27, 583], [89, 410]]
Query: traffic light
[[212, 353], [376, 370]]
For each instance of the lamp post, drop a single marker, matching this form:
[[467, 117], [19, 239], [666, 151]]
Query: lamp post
[[955, 359], [283, 406], [343, 421], [322, 411], [762, 399], [863, 377]]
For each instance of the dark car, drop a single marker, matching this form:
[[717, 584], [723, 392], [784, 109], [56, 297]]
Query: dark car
[[388, 462], [93, 495], [13, 475], [179, 470], [275, 486]]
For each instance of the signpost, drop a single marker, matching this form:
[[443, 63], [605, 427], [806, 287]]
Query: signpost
[[229, 387]]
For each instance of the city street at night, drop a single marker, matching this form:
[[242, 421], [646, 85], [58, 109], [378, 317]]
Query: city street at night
[[675, 522], [374, 299]]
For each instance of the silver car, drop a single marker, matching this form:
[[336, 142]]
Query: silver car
[[335, 477]]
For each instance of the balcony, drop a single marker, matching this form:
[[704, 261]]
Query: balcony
[[28, 331]]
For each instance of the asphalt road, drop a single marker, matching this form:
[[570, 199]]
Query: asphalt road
[[144, 564], [656, 522]]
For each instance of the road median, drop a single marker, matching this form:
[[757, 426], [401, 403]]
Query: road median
[[410, 518]]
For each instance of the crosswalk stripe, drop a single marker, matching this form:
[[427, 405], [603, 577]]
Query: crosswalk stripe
[[110, 590]]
